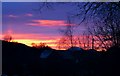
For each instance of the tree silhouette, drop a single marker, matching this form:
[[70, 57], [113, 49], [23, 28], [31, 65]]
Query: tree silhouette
[[104, 16], [34, 44], [40, 45], [68, 40], [7, 38], [106, 22]]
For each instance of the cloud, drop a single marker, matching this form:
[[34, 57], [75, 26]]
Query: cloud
[[29, 14], [47, 23], [15, 16], [30, 36], [12, 16]]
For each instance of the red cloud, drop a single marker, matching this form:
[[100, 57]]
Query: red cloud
[[48, 23], [29, 14]]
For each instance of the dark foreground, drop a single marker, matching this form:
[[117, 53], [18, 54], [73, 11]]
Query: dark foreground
[[21, 60]]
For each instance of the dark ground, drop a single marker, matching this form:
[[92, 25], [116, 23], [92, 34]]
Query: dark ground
[[21, 60]]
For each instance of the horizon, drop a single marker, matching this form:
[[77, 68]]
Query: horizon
[[50, 47]]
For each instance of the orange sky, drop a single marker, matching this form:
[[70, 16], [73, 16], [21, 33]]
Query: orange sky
[[28, 39]]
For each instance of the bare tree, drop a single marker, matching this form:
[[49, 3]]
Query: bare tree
[[105, 17], [108, 30], [68, 39]]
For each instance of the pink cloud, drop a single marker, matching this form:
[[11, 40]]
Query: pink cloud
[[29, 14], [12, 16], [30, 36], [48, 23]]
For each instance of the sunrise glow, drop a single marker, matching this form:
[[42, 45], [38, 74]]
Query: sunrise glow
[[27, 27]]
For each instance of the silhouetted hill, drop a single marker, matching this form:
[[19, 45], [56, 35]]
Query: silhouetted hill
[[16, 55], [21, 60]]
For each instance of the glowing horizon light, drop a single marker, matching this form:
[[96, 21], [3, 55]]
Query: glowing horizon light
[[28, 42], [53, 43]]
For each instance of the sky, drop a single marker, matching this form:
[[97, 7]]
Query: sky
[[60, 0], [27, 24]]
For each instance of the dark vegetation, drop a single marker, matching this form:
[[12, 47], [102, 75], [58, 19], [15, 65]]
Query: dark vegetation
[[21, 60]]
